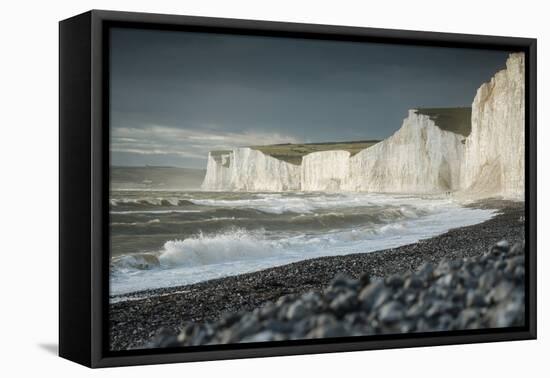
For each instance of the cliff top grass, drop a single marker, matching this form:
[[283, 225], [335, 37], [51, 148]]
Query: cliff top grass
[[293, 153], [457, 120]]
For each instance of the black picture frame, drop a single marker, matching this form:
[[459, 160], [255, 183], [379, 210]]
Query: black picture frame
[[84, 187]]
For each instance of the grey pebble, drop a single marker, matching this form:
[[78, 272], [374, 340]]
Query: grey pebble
[[476, 292]]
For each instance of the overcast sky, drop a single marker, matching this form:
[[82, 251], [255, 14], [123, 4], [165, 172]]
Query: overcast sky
[[177, 95]]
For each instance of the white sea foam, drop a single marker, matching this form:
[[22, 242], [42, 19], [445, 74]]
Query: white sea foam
[[306, 204], [152, 221], [138, 261], [146, 201], [230, 246]]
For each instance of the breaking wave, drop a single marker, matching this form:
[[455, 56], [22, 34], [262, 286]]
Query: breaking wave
[[138, 261], [230, 246], [310, 203], [148, 202]]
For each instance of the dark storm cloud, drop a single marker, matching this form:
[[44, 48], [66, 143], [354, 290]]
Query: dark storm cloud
[[177, 95]]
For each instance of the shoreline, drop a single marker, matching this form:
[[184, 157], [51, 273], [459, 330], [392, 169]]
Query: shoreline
[[134, 322]]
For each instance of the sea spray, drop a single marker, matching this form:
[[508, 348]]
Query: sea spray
[[233, 245]]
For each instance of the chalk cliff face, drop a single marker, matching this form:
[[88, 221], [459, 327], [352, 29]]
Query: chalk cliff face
[[246, 169], [430, 153], [252, 170], [419, 158], [325, 171], [494, 157], [218, 172]]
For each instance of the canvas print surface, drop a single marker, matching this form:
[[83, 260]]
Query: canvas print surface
[[268, 189]]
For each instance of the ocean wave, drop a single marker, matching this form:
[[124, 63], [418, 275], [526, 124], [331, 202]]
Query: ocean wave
[[230, 246], [138, 261], [154, 211], [266, 205], [311, 203], [149, 222], [148, 202], [238, 244], [206, 256]]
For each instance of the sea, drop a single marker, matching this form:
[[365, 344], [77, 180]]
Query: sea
[[168, 237]]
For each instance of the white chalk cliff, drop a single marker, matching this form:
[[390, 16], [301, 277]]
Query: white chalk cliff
[[246, 169], [218, 172], [325, 171], [420, 157], [494, 153]]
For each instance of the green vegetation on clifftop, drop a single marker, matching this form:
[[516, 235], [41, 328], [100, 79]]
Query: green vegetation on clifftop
[[293, 153], [457, 120]]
